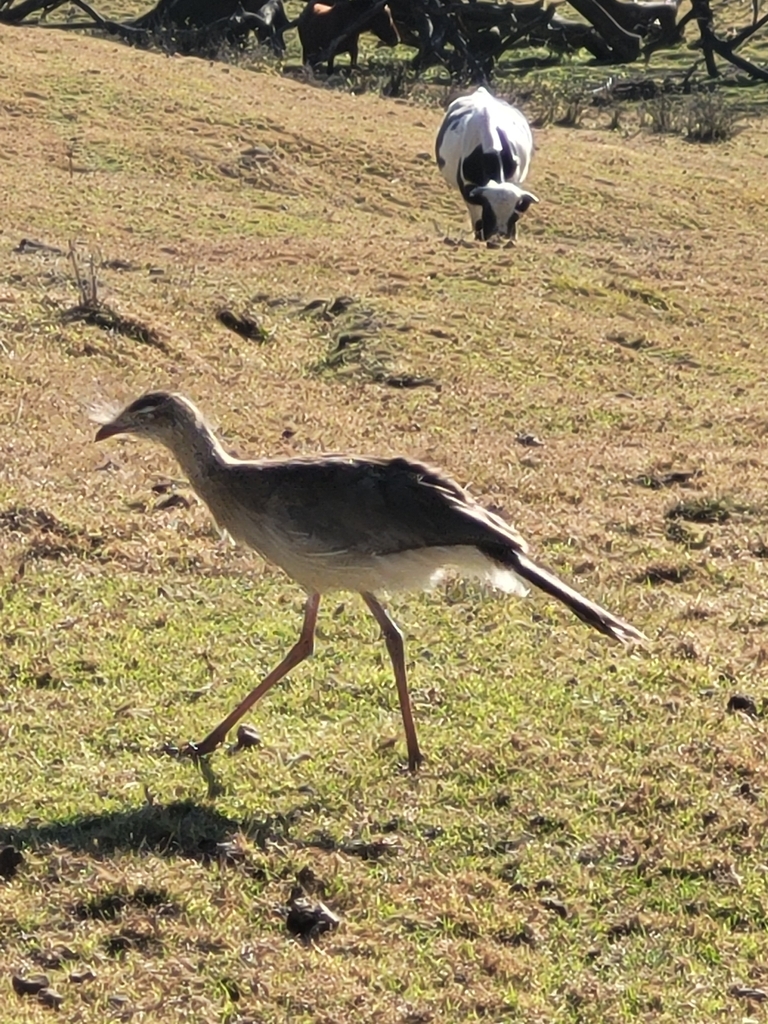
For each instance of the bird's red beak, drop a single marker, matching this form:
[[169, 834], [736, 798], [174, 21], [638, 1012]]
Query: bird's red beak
[[108, 430]]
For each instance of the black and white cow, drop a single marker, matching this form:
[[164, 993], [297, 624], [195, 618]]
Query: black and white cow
[[484, 148]]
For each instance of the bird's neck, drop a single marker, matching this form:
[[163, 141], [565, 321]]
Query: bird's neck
[[200, 456]]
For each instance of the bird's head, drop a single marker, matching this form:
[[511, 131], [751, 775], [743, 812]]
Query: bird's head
[[158, 416]]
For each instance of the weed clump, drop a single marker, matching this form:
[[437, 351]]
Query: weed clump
[[663, 115], [700, 510], [92, 310], [710, 118], [562, 104], [700, 117]]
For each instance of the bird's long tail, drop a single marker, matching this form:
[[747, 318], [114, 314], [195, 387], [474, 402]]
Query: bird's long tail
[[589, 612]]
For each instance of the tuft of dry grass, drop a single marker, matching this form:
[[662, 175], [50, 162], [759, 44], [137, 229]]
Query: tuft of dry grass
[[586, 842]]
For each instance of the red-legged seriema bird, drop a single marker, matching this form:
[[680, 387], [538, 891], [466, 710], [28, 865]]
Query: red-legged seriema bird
[[343, 522]]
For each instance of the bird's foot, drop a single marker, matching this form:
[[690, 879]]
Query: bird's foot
[[192, 750], [247, 737]]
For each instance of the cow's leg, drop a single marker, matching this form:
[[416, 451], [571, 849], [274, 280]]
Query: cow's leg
[[476, 222]]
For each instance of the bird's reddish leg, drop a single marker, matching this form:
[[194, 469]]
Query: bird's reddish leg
[[393, 638], [300, 651]]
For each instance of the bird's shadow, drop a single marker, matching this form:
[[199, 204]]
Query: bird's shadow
[[179, 829]]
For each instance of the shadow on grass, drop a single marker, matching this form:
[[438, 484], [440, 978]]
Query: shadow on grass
[[179, 829]]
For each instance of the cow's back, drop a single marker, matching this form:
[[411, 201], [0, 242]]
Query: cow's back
[[489, 135]]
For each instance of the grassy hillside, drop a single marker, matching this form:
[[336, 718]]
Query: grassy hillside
[[586, 842]]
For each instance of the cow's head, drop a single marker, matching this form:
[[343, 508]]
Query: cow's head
[[383, 26], [502, 207]]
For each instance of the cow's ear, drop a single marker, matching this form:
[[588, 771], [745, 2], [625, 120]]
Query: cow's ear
[[525, 201]]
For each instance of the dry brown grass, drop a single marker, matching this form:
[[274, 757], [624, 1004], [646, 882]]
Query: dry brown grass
[[587, 843]]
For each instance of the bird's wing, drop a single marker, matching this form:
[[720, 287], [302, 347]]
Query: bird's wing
[[346, 504]]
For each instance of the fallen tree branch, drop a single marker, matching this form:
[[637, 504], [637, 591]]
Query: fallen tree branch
[[625, 45]]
